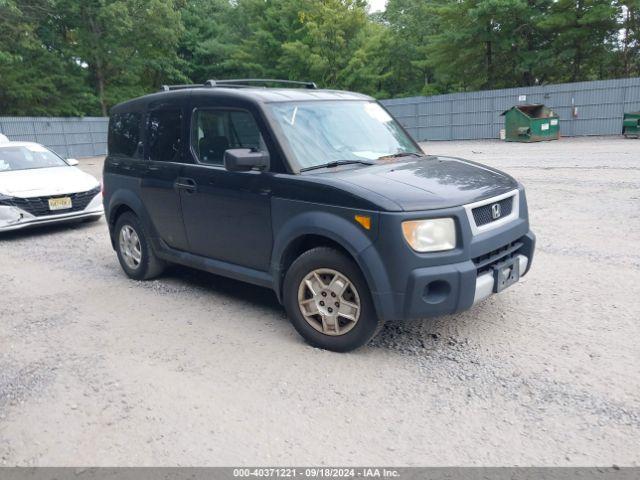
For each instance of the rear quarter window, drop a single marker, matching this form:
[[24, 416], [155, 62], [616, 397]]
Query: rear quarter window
[[124, 134]]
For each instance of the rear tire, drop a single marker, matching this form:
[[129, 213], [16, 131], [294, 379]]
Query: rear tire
[[328, 301], [134, 250]]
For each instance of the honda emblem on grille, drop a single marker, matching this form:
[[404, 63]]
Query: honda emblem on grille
[[496, 211]]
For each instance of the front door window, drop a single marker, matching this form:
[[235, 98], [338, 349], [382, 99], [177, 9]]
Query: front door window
[[217, 130]]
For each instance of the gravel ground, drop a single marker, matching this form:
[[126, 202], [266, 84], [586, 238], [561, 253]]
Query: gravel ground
[[194, 369]]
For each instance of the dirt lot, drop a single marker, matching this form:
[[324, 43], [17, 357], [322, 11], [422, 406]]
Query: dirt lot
[[193, 369]]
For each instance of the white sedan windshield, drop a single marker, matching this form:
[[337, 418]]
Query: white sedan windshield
[[319, 132], [28, 157]]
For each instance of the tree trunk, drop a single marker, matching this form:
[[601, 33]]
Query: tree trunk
[[626, 42], [98, 65], [577, 62], [100, 81], [528, 77], [577, 58], [489, 56]]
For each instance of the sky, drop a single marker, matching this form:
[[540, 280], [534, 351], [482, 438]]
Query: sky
[[377, 5]]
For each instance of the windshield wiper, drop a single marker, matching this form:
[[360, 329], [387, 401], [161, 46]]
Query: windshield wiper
[[401, 154], [336, 163]]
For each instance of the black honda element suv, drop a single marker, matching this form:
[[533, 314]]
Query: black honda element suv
[[319, 195]]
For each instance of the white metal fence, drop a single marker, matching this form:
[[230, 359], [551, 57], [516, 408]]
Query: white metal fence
[[68, 137], [585, 108]]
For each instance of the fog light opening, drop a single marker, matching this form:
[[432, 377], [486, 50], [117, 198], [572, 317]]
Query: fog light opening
[[436, 291]]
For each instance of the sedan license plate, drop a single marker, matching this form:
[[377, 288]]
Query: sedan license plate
[[506, 274], [62, 203]]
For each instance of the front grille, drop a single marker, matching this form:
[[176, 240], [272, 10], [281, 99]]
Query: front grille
[[39, 206], [487, 261], [484, 214]]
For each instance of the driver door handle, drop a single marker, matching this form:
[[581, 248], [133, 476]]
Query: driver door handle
[[187, 184]]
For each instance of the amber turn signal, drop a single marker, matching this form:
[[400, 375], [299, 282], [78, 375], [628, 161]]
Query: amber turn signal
[[364, 220]]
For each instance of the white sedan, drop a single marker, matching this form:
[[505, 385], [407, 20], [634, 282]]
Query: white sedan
[[39, 187]]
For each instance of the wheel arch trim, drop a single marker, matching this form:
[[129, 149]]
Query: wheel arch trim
[[339, 230], [126, 198]]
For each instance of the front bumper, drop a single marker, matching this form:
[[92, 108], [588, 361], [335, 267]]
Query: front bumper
[[447, 289], [485, 282], [408, 284], [13, 218], [453, 288]]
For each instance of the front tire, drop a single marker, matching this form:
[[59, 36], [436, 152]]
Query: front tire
[[328, 301], [135, 253]]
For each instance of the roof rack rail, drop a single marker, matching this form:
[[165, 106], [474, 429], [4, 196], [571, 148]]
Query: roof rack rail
[[166, 88], [245, 82], [238, 83]]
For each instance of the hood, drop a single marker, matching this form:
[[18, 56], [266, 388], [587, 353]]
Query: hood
[[430, 182], [44, 182]]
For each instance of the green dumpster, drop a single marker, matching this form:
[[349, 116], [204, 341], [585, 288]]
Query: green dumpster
[[631, 124], [531, 123]]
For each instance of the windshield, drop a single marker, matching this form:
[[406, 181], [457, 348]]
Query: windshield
[[27, 158], [319, 132]]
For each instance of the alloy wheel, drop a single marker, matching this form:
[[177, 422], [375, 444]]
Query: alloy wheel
[[329, 301], [130, 246]]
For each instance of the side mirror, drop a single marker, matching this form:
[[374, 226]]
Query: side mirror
[[72, 162], [245, 159]]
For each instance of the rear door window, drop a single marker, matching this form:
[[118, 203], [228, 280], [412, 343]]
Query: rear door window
[[164, 136], [217, 130], [124, 134]]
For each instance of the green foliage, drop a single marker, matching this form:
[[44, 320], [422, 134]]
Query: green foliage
[[128, 46], [583, 33], [80, 57], [211, 36], [628, 56], [481, 44], [327, 35], [35, 78]]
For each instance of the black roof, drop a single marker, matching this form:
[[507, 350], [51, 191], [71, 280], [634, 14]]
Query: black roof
[[248, 94]]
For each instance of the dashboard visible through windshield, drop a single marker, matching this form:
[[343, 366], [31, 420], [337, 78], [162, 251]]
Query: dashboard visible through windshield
[[322, 132]]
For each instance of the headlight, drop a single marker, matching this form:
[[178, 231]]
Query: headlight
[[434, 235]]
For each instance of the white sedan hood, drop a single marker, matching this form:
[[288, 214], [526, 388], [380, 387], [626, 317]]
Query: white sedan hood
[[44, 182]]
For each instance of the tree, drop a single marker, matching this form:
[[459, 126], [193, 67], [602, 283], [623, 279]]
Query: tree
[[302, 39], [211, 39], [128, 46], [628, 54], [36, 78], [325, 40], [77, 57], [371, 69], [485, 44], [411, 24], [583, 35]]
